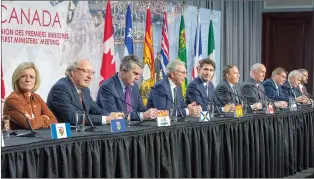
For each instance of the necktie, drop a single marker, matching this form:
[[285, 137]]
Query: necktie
[[175, 96], [303, 89], [128, 98], [206, 89], [278, 91], [81, 99], [293, 92], [260, 92], [235, 92]]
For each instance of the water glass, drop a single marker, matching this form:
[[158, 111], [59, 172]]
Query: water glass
[[292, 104], [80, 119], [5, 126], [210, 109], [127, 118], [174, 115], [244, 107]]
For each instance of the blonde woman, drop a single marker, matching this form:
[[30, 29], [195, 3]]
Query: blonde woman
[[25, 81]]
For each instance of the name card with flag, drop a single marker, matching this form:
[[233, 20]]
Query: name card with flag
[[205, 117], [163, 118], [118, 125], [60, 130], [238, 111]]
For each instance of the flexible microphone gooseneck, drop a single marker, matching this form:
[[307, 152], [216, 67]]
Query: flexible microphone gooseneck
[[232, 93], [124, 102], [162, 95], [32, 133], [268, 99], [92, 127], [219, 112]]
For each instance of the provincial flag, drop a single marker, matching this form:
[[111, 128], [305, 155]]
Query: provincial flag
[[197, 50], [128, 38], [60, 130], [164, 46], [182, 51], [108, 68], [148, 60]]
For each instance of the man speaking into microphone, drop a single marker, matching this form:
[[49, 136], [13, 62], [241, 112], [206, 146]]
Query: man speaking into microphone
[[71, 94], [121, 93]]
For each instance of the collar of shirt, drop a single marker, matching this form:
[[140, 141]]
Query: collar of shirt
[[172, 85], [204, 83], [230, 84], [301, 86], [122, 83]]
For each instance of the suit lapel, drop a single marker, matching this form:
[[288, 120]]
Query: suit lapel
[[85, 98], [168, 90], [120, 90], [74, 91], [201, 86], [230, 88]]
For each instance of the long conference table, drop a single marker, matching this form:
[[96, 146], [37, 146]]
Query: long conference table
[[257, 145]]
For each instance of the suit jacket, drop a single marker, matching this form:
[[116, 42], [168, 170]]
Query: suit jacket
[[252, 94], [197, 92], [287, 90], [33, 105], [161, 97], [63, 100], [305, 91], [111, 103], [225, 97], [271, 92]]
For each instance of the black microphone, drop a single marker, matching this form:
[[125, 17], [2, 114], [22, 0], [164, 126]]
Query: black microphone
[[232, 93], [268, 99], [162, 95], [219, 112], [92, 127], [124, 102], [32, 133]]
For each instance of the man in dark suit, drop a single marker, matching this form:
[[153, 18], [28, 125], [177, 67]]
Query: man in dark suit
[[201, 90], [122, 86], [302, 87], [273, 88], [71, 94], [290, 87], [253, 95], [167, 93], [226, 90]]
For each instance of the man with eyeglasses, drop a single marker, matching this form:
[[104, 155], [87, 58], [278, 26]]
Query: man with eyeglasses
[[202, 91], [167, 93], [290, 87], [121, 93], [71, 94], [273, 87]]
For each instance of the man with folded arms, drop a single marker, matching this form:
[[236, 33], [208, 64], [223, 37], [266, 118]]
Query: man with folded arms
[[201, 90], [121, 93], [71, 94], [167, 93], [273, 88]]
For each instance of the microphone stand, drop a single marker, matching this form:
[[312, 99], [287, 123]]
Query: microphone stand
[[243, 99], [32, 133], [162, 95], [200, 95]]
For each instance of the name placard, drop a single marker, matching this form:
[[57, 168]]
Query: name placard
[[270, 109], [205, 117], [60, 130], [238, 111], [163, 118], [118, 125]]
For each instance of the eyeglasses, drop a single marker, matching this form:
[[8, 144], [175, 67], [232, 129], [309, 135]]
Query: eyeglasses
[[182, 72], [90, 72], [284, 77]]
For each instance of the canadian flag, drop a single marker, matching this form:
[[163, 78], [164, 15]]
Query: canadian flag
[[108, 67]]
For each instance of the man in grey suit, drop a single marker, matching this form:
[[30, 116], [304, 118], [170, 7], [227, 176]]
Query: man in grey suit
[[226, 90], [303, 82], [249, 87]]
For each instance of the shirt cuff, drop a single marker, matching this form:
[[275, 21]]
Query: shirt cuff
[[141, 116], [186, 112], [103, 120]]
